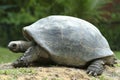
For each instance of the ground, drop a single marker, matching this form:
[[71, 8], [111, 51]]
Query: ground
[[52, 72]]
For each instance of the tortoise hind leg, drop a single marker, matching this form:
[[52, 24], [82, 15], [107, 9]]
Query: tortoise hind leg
[[96, 67]]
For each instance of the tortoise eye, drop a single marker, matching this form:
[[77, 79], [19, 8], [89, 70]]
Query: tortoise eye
[[14, 45]]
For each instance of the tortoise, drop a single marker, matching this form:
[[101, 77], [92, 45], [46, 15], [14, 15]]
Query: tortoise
[[64, 40]]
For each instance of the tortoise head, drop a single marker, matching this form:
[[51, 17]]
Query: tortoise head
[[14, 46]]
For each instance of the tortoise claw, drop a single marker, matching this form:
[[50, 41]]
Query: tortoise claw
[[96, 68], [95, 74], [112, 65], [91, 73], [20, 63]]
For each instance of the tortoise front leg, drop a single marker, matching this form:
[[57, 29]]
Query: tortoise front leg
[[96, 68], [19, 46], [28, 57]]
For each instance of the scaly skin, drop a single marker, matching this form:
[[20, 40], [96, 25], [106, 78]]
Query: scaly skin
[[29, 56], [97, 66], [34, 53]]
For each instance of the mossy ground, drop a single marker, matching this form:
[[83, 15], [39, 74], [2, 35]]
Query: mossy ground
[[7, 72], [55, 73]]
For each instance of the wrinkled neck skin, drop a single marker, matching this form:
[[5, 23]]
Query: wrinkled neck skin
[[25, 45]]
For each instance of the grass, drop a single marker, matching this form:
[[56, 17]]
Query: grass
[[18, 71], [13, 74], [117, 54], [8, 56]]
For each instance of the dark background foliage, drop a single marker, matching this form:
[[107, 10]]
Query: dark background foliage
[[15, 14]]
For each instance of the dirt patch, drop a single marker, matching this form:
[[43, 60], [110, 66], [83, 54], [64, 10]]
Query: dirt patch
[[7, 72]]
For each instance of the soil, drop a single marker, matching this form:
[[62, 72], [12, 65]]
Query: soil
[[60, 73]]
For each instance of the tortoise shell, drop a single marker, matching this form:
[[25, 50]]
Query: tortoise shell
[[69, 40]]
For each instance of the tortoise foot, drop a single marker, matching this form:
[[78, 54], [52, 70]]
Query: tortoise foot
[[96, 68], [20, 63]]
